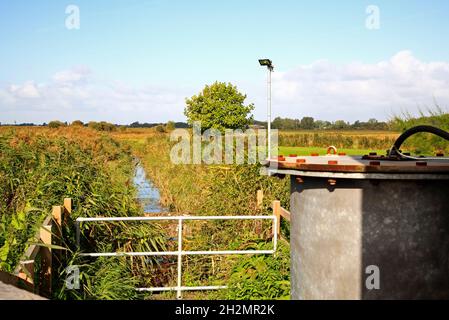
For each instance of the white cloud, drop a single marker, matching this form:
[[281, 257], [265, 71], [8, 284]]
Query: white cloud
[[361, 91], [26, 90], [72, 76], [322, 89], [77, 94]]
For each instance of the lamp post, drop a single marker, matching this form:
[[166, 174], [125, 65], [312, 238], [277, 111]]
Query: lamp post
[[270, 67]]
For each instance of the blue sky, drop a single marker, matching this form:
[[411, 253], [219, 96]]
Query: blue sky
[[137, 60]]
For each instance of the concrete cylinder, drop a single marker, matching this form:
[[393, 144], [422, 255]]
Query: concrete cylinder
[[369, 238]]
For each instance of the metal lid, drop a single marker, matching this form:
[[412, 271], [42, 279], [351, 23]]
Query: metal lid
[[357, 164], [394, 165]]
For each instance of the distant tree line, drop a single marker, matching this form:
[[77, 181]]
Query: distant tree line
[[25, 124], [306, 123], [151, 125], [101, 125], [309, 123]]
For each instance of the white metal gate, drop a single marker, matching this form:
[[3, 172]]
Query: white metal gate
[[179, 253]]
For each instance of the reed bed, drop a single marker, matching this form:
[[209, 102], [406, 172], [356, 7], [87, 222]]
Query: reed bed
[[39, 167]]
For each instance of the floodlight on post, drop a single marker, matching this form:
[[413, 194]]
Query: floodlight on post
[[270, 68]]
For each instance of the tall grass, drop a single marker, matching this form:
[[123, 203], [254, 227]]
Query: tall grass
[[38, 168]]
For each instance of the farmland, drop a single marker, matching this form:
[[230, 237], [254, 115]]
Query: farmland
[[356, 140], [351, 142]]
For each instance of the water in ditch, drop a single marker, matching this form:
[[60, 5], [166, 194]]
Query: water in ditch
[[147, 193]]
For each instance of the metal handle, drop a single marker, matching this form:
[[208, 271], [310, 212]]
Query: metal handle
[[395, 149], [332, 148]]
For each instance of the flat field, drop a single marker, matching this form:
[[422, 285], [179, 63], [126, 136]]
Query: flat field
[[301, 142]]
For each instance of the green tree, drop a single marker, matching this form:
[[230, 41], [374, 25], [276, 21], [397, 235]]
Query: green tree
[[307, 123], [277, 123], [340, 124], [322, 125], [219, 106], [285, 123]]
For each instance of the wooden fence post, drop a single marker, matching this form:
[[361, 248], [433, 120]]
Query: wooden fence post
[[50, 233], [259, 199], [46, 260], [67, 207], [57, 216], [55, 257], [27, 265], [277, 213]]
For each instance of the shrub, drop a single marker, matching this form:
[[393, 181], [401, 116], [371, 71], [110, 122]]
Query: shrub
[[261, 277], [102, 126], [55, 124], [170, 126], [77, 123], [160, 128]]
